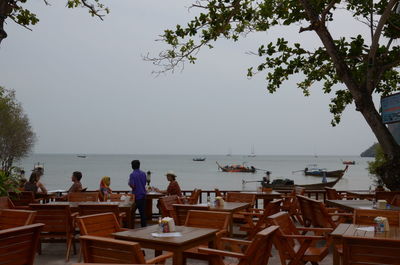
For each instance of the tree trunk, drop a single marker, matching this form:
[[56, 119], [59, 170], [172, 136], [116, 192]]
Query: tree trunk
[[389, 173]]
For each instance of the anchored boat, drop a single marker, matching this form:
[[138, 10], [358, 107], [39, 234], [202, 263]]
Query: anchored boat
[[237, 168]]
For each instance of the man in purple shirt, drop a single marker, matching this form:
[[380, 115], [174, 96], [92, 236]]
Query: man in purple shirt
[[137, 181]]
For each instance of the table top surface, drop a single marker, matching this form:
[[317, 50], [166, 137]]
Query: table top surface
[[356, 204], [353, 230], [189, 234], [364, 193], [227, 206]]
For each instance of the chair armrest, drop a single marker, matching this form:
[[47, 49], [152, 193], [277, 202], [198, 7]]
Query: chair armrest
[[74, 215], [221, 253], [235, 241], [160, 259], [122, 215]]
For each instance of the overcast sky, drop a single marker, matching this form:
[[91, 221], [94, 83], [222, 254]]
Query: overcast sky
[[86, 89]]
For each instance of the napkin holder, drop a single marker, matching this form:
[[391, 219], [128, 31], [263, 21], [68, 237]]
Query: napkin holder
[[381, 204]]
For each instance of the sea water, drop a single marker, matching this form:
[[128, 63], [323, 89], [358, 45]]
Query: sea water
[[204, 175]]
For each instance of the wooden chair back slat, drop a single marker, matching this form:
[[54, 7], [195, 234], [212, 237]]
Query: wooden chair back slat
[[88, 209], [241, 197], [56, 218], [194, 197], [23, 198], [208, 219], [166, 202], [272, 208], [258, 252], [359, 250], [332, 194], [107, 250], [367, 216], [319, 214], [10, 218], [181, 212], [103, 224], [83, 197], [306, 210], [19, 244], [6, 203]]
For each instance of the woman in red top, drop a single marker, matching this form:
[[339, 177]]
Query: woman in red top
[[173, 187]]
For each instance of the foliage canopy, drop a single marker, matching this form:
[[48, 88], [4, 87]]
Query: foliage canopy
[[16, 135]]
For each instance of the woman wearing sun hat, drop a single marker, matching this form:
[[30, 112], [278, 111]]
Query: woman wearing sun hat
[[173, 187]]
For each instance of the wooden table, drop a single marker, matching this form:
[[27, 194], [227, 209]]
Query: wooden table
[[351, 205], [351, 230], [126, 207], [191, 237], [363, 195], [266, 196]]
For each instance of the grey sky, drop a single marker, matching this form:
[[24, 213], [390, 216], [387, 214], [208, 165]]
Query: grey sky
[[86, 89]]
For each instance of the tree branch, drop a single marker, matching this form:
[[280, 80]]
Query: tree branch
[[327, 9], [92, 9], [375, 44], [326, 38]]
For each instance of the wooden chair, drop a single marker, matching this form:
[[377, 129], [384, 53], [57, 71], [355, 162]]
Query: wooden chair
[[102, 224], [296, 247], [396, 200], [332, 194], [366, 216], [10, 218], [322, 216], [6, 203], [108, 250], [83, 197], [58, 224], [240, 197], [371, 251], [21, 200], [89, 209], [257, 251], [256, 219], [181, 211], [194, 196], [19, 244], [207, 219], [291, 205], [166, 208]]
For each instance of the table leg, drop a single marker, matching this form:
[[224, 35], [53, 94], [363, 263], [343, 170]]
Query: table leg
[[177, 258], [336, 256], [149, 209]]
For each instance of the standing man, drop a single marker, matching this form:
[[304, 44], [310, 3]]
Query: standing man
[[137, 181]]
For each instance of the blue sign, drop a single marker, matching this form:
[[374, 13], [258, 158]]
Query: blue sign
[[390, 107]]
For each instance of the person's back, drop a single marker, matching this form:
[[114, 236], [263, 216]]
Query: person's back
[[29, 186], [137, 181]]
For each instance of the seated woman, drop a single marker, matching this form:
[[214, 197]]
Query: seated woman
[[34, 184], [105, 189], [76, 179], [173, 187]]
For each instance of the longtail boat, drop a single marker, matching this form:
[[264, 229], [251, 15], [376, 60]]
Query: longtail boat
[[288, 184], [236, 168], [349, 162], [321, 173]]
